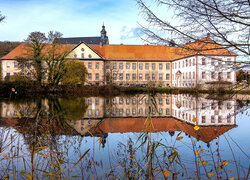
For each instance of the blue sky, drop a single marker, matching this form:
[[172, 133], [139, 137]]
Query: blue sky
[[73, 18]]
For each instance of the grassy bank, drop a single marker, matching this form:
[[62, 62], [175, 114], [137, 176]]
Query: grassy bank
[[30, 89]]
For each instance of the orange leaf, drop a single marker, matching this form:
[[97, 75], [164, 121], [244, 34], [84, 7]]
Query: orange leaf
[[194, 120], [204, 162], [225, 163], [13, 89], [179, 138], [166, 173], [210, 174], [232, 178], [197, 152], [202, 150]]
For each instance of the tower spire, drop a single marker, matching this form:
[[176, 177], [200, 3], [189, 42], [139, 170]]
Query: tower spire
[[103, 32]]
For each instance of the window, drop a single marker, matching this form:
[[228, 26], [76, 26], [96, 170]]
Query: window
[[146, 101], [114, 65], [133, 101], [228, 118], [127, 76], [203, 106], [133, 66], [203, 120], [15, 64], [107, 65], [121, 65], [153, 76], [160, 111], [133, 111], [89, 112], [160, 66], [183, 64], [140, 101], [229, 105], [114, 76], [212, 119], [229, 61], [189, 75], [146, 111], [90, 56], [8, 64], [121, 76], [140, 76], [82, 49], [153, 65], [167, 101], [114, 100], [213, 75], [89, 65], [167, 111], [167, 66], [97, 101], [140, 111], [189, 62], [114, 111], [167, 76], [228, 75], [134, 76], [120, 100], [220, 61], [140, 66], [213, 105], [203, 75], [97, 76], [179, 64], [89, 101], [193, 62], [186, 63], [97, 65], [120, 111], [89, 76], [127, 111], [203, 61], [127, 101], [29, 64], [146, 66], [193, 75], [147, 76], [97, 112], [212, 61], [219, 119], [82, 55], [127, 65], [160, 100], [160, 77]]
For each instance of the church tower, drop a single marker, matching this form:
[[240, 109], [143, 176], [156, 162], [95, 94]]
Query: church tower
[[104, 37]]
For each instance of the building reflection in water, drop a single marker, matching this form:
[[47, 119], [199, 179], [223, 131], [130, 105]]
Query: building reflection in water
[[128, 114]]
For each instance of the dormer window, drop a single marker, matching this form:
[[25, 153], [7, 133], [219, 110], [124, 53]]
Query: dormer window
[[82, 55], [90, 56], [82, 49]]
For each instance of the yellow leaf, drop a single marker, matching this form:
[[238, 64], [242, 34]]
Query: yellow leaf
[[166, 173], [135, 162], [194, 120], [196, 128], [239, 88], [210, 174], [202, 150], [28, 177], [197, 152], [230, 171], [23, 172], [179, 138], [225, 163], [13, 89], [19, 115], [184, 122], [219, 168], [232, 178]]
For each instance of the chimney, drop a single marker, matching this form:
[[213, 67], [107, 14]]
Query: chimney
[[100, 44], [208, 35]]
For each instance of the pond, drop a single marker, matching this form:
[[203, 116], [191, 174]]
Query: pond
[[140, 136]]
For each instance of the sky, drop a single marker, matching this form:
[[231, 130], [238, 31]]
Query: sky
[[73, 18]]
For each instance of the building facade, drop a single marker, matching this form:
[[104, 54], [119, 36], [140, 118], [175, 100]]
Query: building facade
[[145, 65]]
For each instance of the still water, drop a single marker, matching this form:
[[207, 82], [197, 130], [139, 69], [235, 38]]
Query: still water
[[139, 136]]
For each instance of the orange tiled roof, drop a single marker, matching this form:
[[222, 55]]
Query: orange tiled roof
[[23, 50], [204, 46], [136, 52], [123, 125]]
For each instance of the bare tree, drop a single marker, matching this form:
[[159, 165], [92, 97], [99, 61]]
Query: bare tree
[[228, 22], [2, 17]]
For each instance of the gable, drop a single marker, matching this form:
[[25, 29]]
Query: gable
[[83, 51]]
